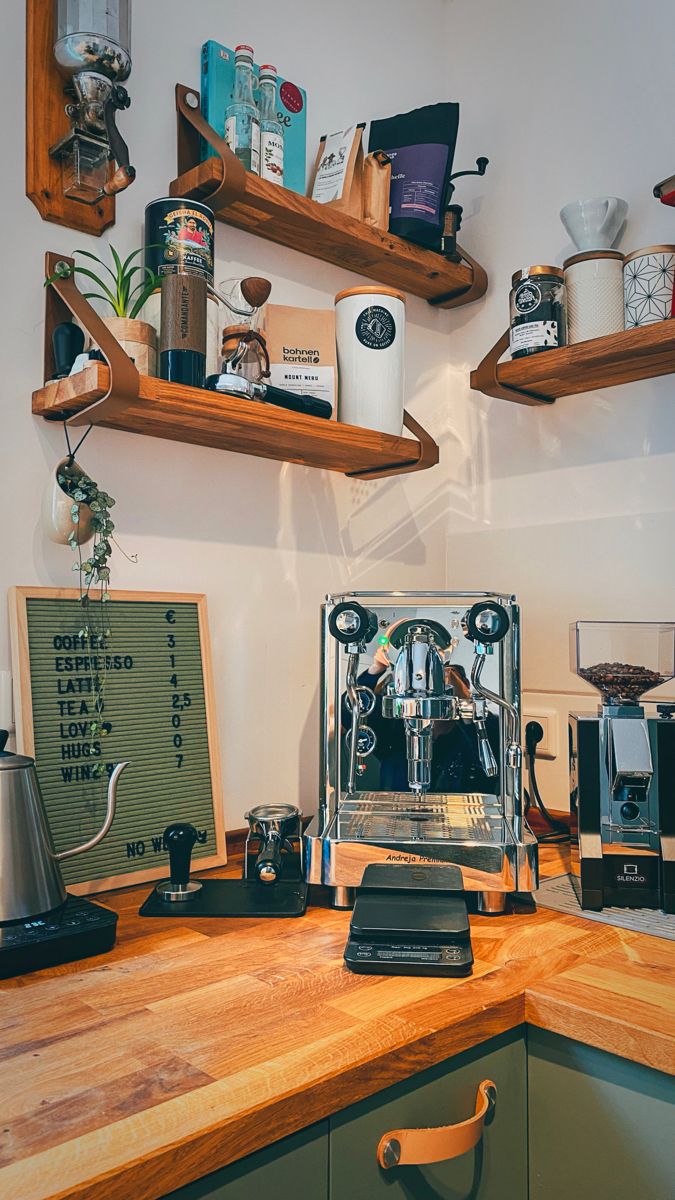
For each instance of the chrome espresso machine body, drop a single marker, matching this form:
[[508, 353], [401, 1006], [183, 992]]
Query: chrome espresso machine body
[[420, 742]]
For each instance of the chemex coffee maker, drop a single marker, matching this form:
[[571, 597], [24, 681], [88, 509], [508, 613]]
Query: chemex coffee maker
[[420, 749], [622, 766], [40, 923]]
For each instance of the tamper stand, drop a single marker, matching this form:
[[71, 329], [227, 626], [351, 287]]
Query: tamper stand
[[264, 895]]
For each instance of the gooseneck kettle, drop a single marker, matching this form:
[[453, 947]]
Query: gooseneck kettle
[[31, 882]]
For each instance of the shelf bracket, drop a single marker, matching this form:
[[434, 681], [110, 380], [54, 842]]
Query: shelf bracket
[[476, 289], [191, 126], [485, 379], [63, 298], [428, 455]]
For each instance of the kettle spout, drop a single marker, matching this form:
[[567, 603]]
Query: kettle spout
[[109, 817]]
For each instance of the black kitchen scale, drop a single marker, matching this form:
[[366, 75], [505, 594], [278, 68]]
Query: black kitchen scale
[[410, 920], [78, 929]]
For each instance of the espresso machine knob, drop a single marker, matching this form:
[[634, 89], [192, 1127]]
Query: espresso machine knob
[[179, 840], [351, 623], [486, 622]]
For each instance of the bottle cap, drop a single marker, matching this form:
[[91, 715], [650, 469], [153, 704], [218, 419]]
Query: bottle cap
[[243, 51], [268, 69]]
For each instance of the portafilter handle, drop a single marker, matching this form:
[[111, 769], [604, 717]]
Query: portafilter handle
[[268, 866]]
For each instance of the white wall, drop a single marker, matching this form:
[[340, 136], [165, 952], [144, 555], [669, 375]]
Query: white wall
[[572, 506], [264, 541]]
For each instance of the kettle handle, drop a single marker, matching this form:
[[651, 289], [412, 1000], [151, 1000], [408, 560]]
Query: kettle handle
[[109, 817]]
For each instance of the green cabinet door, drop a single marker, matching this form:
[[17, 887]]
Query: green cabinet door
[[442, 1095], [295, 1168], [600, 1127]]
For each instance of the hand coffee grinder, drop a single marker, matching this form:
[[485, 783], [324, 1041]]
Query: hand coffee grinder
[[622, 766]]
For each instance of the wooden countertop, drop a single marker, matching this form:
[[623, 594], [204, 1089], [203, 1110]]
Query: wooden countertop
[[194, 1043]]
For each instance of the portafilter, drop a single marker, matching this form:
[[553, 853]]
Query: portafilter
[[273, 825]]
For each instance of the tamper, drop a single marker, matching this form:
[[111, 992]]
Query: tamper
[[179, 840]]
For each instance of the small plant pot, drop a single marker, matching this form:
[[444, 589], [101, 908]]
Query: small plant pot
[[57, 517], [138, 339]]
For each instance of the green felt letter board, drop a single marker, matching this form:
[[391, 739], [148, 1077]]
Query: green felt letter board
[[159, 705]]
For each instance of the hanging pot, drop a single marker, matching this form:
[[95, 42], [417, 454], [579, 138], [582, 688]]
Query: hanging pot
[[57, 517]]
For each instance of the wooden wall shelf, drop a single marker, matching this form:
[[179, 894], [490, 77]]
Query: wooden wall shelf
[[204, 418], [280, 215], [624, 357]]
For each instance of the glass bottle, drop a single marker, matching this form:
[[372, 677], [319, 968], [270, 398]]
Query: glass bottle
[[242, 124], [271, 129]]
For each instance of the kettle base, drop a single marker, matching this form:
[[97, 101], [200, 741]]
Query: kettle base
[[78, 929]]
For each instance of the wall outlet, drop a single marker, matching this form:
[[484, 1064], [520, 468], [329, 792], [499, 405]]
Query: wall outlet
[[548, 719]]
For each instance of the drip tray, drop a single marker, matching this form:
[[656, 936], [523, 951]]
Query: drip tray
[[397, 817]]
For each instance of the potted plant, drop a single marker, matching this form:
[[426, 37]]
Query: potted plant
[[125, 287]]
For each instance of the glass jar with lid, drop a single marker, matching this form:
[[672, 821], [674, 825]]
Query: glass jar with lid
[[538, 310]]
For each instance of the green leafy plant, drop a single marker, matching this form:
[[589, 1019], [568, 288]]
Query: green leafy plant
[[124, 292], [94, 578]]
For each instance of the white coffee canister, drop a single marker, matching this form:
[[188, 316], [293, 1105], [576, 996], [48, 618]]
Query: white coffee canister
[[594, 283], [370, 334], [648, 277]]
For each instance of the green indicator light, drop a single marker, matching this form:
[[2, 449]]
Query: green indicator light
[[383, 641]]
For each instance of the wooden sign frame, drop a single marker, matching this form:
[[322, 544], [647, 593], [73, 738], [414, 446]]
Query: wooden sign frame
[[23, 708]]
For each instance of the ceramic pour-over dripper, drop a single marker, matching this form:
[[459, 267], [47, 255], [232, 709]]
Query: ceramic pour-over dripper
[[594, 224], [623, 659]]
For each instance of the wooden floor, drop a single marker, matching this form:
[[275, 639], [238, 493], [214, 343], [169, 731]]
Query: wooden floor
[[194, 1043]]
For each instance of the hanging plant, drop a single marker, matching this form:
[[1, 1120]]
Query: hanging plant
[[94, 580]]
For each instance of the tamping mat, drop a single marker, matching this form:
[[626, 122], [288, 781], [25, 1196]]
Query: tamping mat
[[233, 898]]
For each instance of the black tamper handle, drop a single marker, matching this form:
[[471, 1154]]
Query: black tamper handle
[[179, 839]]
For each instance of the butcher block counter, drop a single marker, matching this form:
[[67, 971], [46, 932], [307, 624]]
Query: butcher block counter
[[195, 1043]]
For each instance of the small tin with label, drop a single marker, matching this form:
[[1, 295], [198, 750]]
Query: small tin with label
[[538, 310]]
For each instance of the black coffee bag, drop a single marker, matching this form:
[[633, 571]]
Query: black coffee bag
[[421, 145]]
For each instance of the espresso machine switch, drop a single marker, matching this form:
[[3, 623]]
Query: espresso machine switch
[[179, 840]]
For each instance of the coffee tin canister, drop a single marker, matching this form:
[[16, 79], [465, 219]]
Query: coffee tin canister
[[179, 236], [370, 338], [648, 281]]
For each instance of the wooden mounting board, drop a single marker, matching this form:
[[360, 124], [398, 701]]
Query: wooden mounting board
[[625, 357], [46, 123], [205, 418], [292, 220], [159, 700]]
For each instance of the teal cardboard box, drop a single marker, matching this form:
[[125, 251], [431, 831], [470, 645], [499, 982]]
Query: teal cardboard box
[[217, 87]]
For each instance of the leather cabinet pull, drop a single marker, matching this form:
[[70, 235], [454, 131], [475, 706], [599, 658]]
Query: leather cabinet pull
[[408, 1147]]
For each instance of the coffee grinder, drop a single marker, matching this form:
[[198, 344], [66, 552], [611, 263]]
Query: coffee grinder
[[622, 766]]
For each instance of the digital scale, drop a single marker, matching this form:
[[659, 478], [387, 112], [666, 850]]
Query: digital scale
[[410, 920], [78, 929]]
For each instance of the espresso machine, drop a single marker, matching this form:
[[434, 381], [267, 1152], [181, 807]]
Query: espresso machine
[[420, 742], [622, 766]]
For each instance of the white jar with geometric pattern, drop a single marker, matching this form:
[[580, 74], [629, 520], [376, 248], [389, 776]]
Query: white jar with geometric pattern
[[648, 278], [594, 282]]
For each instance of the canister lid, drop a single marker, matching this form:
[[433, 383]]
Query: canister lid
[[370, 291], [587, 255], [525, 272], [649, 250]]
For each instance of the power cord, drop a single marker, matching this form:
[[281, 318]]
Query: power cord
[[534, 734]]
